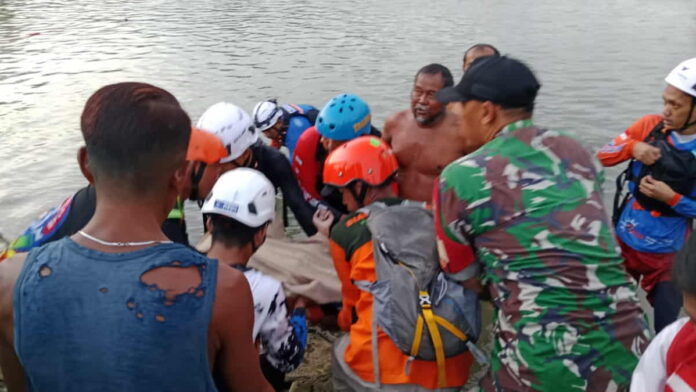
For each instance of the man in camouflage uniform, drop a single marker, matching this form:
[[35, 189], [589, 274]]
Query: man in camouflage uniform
[[525, 214]]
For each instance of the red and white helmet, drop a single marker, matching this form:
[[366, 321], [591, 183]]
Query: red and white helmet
[[232, 125]]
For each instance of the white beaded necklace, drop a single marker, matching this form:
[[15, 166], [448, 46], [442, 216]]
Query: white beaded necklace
[[130, 243]]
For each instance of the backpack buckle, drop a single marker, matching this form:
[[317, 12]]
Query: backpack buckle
[[424, 300]]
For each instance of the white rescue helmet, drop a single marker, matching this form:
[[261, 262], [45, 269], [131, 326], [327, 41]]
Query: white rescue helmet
[[243, 194], [266, 114], [232, 125], [683, 77]]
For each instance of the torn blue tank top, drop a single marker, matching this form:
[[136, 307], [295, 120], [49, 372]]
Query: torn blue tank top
[[84, 321]]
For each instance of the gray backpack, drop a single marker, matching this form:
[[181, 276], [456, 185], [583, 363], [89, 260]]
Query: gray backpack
[[426, 315]]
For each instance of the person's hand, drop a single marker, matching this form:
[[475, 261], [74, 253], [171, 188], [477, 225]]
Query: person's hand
[[300, 302], [645, 153], [655, 189], [322, 219], [442, 252]]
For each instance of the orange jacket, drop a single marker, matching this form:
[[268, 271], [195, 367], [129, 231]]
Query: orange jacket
[[351, 249], [621, 148]]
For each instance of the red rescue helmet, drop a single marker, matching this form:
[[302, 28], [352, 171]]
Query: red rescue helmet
[[365, 159]]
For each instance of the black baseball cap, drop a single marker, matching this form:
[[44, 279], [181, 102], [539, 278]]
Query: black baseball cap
[[501, 80]]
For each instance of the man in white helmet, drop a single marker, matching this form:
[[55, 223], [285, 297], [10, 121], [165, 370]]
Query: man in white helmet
[[654, 218], [239, 210], [283, 124], [239, 135]]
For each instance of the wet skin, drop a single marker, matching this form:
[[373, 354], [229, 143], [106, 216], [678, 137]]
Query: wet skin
[[425, 139]]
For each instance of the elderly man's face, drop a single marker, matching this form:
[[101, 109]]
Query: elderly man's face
[[426, 109]]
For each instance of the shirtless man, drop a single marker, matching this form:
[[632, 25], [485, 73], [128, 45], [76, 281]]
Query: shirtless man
[[426, 138], [476, 51], [117, 306]]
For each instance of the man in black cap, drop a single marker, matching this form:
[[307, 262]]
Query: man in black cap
[[524, 214]]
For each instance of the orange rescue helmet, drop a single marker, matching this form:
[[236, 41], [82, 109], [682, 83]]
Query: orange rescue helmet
[[366, 159], [205, 147]]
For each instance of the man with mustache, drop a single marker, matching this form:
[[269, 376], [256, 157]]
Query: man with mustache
[[425, 139]]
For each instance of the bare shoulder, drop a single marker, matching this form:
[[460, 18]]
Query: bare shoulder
[[391, 125], [232, 286]]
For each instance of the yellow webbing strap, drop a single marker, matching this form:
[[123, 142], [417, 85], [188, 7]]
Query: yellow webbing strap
[[451, 328], [417, 336], [435, 336]]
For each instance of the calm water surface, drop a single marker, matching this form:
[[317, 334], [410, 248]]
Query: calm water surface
[[602, 64]]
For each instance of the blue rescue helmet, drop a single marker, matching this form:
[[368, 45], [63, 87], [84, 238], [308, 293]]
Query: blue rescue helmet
[[344, 117]]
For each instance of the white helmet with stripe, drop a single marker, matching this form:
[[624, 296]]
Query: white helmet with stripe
[[266, 114], [243, 194]]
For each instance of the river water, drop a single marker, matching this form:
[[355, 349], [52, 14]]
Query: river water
[[602, 64]]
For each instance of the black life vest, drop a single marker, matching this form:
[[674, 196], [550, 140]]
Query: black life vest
[[676, 168]]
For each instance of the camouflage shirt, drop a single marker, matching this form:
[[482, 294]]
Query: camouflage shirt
[[526, 208]]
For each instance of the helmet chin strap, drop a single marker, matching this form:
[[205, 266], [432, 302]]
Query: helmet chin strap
[[283, 132], [195, 180], [687, 124], [251, 161], [359, 196]]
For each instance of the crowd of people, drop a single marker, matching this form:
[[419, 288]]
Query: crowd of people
[[461, 199]]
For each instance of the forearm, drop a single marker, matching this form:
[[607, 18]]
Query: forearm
[[617, 151], [621, 148], [457, 256], [684, 206]]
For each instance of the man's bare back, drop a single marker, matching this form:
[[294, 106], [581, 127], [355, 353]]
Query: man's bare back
[[423, 152]]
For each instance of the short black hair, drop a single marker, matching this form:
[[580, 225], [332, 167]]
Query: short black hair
[[434, 69], [684, 268], [496, 53], [231, 232], [136, 136]]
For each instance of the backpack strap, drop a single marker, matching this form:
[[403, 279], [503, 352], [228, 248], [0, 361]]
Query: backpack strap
[[656, 133], [621, 196], [429, 316]]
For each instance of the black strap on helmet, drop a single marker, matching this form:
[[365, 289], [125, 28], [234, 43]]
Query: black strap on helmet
[[266, 122], [360, 197], [196, 176], [691, 111]]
